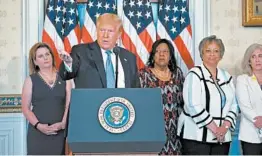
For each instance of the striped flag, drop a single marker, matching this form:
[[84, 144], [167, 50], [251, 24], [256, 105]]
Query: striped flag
[[174, 25], [139, 30], [94, 9], [61, 27]]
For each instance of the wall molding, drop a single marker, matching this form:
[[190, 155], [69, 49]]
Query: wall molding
[[200, 21], [11, 117], [12, 134], [32, 27], [6, 141], [32, 23]]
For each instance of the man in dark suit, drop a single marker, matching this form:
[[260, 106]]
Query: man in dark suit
[[101, 64]]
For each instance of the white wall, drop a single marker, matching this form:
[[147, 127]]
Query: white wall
[[226, 23], [21, 27], [10, 47]]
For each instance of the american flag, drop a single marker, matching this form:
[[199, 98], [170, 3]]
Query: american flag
[[61, 27], [94, 9], [174, 24], [139, 30]]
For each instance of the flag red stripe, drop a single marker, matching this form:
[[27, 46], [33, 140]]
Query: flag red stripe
[[86, 38], [189, 29], [78, 33], [67, 45], [184, 53], [128, 44], [158, 37], [46, 38], [146, 39]]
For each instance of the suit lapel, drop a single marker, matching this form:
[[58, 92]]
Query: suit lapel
[[98, 59], [255, 86], [125, 66]]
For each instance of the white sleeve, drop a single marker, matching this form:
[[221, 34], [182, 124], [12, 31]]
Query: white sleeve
[[192, 100], [68, 68], [233, 112], [243, 97]]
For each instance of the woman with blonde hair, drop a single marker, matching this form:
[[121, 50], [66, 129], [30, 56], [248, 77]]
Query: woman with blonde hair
[[45, 102], [249, 96]]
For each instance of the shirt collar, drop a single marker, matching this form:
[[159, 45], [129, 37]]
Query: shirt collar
[[103, 50]]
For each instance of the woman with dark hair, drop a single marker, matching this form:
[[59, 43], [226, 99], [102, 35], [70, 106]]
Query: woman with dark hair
[[45, 102], [162, 72]]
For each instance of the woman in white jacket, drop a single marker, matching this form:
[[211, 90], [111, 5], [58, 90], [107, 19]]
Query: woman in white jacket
[[249, 96], [210, 107]]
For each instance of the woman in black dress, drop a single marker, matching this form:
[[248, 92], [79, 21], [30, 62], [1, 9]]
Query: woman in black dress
[[45, 102]]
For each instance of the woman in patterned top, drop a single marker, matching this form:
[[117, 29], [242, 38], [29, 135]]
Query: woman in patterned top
[[162, 72]]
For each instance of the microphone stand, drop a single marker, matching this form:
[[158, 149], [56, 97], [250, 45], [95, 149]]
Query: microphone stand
[[116, 51]]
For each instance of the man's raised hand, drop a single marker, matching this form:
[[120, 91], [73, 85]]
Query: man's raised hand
[[64, 56]]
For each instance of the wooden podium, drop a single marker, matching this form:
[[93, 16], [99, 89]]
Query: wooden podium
[[67, 149]]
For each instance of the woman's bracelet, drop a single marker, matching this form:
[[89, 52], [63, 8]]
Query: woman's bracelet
[[35, 126]]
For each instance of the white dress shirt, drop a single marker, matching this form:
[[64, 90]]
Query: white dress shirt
[[121, 75]]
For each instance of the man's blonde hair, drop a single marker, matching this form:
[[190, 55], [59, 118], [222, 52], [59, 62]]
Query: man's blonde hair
[[110, 17]]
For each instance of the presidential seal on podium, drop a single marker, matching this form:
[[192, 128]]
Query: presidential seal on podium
[[116, 115]]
